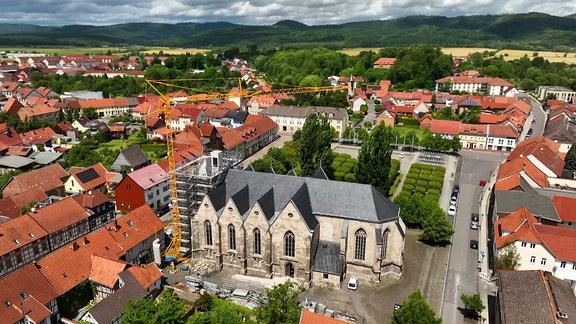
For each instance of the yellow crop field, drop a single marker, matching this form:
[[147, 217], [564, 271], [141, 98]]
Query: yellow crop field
[[102, 50], [463, 51], [357, 50], [569, 58]]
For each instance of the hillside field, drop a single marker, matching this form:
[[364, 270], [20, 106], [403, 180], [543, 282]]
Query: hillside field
[[102, 50], [569, 58]]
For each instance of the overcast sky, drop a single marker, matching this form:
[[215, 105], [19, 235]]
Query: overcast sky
[[258, 12]]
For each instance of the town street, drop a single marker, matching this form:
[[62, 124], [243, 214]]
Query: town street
[[463, 275]]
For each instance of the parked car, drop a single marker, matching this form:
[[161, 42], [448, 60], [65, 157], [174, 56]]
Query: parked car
[[482, 182], [474, 225], [453, 200], [474, 217], [452, 210], [456, 189], [474, 244], [353, 283], [530, 131]]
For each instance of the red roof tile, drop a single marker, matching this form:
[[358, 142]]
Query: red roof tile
[[97, 176], [440, 126], [47, 178], [559, 240], [10, 206], [18, 232], [506, 131], [149, 176], [385, 61], [308, 317], [68, 266], [135, 227], [253, 127], [105, 271], [516, 227], [59, 215], [27, 280], [565, 207], [146, 275]]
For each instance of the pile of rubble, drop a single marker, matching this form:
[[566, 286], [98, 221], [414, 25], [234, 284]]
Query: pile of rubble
[[202, 267]]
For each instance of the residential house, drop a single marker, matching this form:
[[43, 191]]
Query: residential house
[[501, 137], [489, 86], [66, 129], [565, 207], [385, 62], [49, 179], [86, 179], [533, 296], [64, 220], [135, 283], [27, 297], [146, 186], [135, 233], [257, 132], [264, 224], [22, 241], [100, 208], [258, 103], [557, 92], [107, 106], [104, 273], [386, 117], [473, 136], [131, 158], [292, 118], [534, 163], [14, 206], [561, 124], [446, 128], [117, 131]]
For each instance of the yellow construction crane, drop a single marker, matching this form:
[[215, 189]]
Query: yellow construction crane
[[172, 252]]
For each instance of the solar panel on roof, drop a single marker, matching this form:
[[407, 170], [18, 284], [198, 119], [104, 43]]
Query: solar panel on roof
[[88, 175]]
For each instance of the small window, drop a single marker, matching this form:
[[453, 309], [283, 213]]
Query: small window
[[563, 264], [128, 186], [543, 261], [523, 244], [230, 209], [573, 266], [532, 259], [532, 245], [130, 223], [325, 275], [290, 214]]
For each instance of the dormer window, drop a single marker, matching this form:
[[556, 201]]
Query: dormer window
[[130, 223], [16, 242]]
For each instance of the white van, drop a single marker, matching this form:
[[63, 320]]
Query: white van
[[353, 283]]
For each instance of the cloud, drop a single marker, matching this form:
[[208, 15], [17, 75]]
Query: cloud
[[258, 12]]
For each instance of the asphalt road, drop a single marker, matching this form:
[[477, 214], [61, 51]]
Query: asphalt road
[[462, 276], [539, 115]]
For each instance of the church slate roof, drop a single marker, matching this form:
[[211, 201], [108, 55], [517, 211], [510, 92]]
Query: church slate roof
[[311, 196], [328, 258]]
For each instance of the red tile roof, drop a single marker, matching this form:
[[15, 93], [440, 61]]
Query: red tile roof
[[146, 275], [516, 227], [385, 61], [10, 206], [135, 227], [543, 149], [59, 215], [308, 317], [105, 271], [47, 178], [68, 266], [18, 232], [565, 207], [505, 131], [38, 110], [440, 126], [463, 79], [36, 289], [254, 127], [559, 240], [98, 103], [492, 119]]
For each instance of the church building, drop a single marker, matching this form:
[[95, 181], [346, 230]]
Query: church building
[[317, 231]]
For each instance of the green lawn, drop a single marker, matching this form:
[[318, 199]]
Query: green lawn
[[155, 152]]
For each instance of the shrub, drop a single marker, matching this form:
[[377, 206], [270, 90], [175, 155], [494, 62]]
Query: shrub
[[439, 174], [418, 196], [408, 187], [411, 181], [344, 155], [424, 177], [412, 175], [427, 167], [409, 121], [421, 190], [440, 168], [433, 197], [339, 175], [344, 169], [433, 192], [350, 163], [437, 179], [435, 185], [350, 177], [422, 183]]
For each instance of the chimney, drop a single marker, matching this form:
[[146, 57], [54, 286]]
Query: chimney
[[562, 317], [500, 230], [116, 225], [85, 240], [74, 246]]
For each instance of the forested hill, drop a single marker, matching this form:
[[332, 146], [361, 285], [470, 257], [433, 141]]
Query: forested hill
[[532, 31]]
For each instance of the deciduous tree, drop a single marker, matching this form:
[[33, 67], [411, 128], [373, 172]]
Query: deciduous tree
[[473, 304], [315, 146], [570, 161], [508, 258], [169, 309], [415, 310], [374, 158], [283, 305], [437, 228]]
